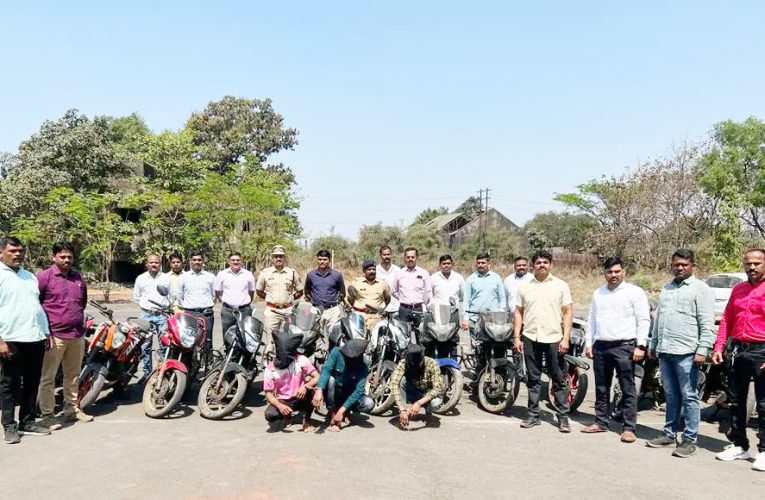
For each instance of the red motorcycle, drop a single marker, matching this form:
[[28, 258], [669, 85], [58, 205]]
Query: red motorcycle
[[181, 354]]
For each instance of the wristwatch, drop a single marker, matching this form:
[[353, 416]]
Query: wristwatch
[[641, 347]]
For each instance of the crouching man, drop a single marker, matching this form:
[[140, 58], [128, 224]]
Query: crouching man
[[284, 382], [416, 383], [341, 385]]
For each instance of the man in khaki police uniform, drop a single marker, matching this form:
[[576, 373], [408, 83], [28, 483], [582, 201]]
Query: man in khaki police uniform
[[372, 292], [278, 285]]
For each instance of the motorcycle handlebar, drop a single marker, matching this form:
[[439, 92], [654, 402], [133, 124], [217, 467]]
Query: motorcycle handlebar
[[102, 309]]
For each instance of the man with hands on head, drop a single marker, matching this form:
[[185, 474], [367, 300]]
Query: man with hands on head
[[743, 324], [617, 336], [544, 313]]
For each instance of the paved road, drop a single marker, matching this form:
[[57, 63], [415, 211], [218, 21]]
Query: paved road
[[123, 454]]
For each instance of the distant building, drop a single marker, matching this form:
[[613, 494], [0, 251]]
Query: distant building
[[456, 229]]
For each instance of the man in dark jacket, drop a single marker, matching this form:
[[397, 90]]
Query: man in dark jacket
[[343, 378]]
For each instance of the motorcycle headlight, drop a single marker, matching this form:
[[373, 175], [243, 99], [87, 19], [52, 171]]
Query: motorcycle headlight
[[119, 337], [188, 337]]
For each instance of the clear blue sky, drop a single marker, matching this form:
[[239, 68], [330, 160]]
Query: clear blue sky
[[403, 105]]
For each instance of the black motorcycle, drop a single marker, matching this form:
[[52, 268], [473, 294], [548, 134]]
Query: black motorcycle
[[575, 368], [227, 381], [499, 378], [440, 336]]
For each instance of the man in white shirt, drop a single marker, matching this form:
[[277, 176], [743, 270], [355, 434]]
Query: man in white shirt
[[521, 275], [144, 292], [235, 287], [387, 271], [617, 335], [198, 295], [447, 283]]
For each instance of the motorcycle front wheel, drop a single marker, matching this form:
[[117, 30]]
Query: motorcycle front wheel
[[162, 395], [91, 383], [215, 404], [577, 381], [452, 379], [493, 393], [377, 388]]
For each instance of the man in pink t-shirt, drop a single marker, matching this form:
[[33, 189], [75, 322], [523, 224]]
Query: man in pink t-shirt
[[289, 381]]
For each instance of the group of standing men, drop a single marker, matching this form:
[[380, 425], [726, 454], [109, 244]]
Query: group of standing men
[[42, 324]]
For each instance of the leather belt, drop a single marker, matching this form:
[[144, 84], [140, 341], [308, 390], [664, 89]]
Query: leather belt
[[201, 310], [278, 306], [360, 309], [227, 306], [412, 306]]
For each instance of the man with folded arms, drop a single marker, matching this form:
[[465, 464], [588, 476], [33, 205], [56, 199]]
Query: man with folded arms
[[617, 335], [743, 323]]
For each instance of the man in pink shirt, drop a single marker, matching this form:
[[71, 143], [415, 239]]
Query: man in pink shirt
[[284, 382], [412, 288], [743, 322]]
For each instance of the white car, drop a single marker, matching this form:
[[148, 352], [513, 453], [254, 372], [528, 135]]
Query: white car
[[722, 284]]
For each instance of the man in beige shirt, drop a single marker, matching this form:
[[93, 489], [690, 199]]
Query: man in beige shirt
[[544, 314], [372, 292], [279, 286]]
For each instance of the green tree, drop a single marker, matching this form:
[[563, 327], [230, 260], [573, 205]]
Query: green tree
[[73, 151], [90, 220], [344, 252], [429, 214], [171, 157], [229, 129], [470, 208], [427, 240], [130, 134], [733, 173], [372, 237], [560, 229]]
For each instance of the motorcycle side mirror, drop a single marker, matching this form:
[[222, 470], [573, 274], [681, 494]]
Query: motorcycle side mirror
[[353, 293], [163, 290]]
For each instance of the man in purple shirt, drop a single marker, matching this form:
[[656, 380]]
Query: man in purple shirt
[[63, 296], [412, 288]]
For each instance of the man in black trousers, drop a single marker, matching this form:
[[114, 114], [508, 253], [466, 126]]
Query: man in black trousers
[[617, 336]]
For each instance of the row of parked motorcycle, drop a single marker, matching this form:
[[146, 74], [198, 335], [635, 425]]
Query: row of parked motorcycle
[[114, 351]]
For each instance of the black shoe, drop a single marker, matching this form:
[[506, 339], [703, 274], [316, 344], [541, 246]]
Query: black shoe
[[12, 434], [531, 422], [563, 424], [661, 441], [33, 429], [684, 450]]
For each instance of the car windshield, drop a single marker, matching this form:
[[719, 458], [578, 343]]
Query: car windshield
[[723, 281]]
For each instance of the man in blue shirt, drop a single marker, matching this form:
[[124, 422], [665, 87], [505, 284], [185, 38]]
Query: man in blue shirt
[[24, 337], [325, 288], [484, 291]]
